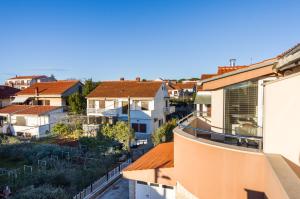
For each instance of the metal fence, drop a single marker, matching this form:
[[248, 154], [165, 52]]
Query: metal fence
[[100, 184]]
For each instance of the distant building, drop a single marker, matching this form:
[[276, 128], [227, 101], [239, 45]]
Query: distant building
[[149, 104], [181, 90], [29, 121], [6, 95], [48, 93], [22, 82]]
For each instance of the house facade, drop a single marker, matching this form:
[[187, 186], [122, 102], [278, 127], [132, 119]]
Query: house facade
[[22, 82], [181, 90], [48, 93], [248, 149], [6, 95], [148, 102], [30, 121]]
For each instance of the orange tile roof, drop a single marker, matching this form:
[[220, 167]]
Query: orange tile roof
[[27, 109], [126, 88], [161, 156], [207, 76], [179, 86], [7, 91], [226, 69], [29, 77], [49, 88]]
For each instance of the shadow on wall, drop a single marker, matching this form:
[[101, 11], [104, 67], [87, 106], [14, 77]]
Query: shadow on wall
[[293, 166]]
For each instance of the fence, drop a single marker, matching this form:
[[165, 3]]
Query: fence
[[100, 184]]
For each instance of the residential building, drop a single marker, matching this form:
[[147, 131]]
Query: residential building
[[181, 90], [48, 93], [22, 82], [6, 95], [248, 149], [30, 121], [148, 102]]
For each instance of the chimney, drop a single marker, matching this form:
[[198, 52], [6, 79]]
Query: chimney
[[232, 62], [138, 79], [36, 91], [122, 79]]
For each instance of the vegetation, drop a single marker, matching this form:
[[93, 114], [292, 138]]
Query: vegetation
[[41, 192], [4, 139], [120, 132], [77, 101], [164, 133], [73, 131]]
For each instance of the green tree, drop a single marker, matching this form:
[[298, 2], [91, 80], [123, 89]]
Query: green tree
[[89, 86], [120, 132], [76, 103], [164, 133], [67, 130]]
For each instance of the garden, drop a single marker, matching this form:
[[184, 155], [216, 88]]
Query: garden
[[45, 169]]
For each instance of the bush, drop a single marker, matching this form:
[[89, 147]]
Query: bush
[[42, 192], [164, 133]]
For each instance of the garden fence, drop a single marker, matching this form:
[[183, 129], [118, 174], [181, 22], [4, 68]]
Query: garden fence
[[101, 183]]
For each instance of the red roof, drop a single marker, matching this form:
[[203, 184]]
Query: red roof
[[27, 109], [161, 156], [226, 69], [49, 88], [116, 89], [180, 86], [29, 77], [207, 76], [7, 91]]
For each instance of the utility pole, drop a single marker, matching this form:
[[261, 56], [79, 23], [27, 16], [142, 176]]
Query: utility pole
[[129, 126]]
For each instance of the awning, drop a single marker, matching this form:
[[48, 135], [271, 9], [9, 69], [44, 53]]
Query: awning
[[203, 99], [19, 99]]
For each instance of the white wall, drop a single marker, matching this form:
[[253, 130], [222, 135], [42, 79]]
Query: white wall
[[281, 118], [217, 110]]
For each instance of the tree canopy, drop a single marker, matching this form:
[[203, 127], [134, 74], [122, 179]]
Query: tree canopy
[[164, 133]]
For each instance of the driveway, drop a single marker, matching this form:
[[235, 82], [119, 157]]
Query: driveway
[[119, 190]]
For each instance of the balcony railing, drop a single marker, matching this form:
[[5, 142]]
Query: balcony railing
[[105, 112], [222, 136]]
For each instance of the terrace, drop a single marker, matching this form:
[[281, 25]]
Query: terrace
[[198, 125]]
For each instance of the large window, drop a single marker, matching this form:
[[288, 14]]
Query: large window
[[138, 127], [241, 101]]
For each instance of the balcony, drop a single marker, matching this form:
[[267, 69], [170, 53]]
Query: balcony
[[169, 110], [103, 112], [199, 126]]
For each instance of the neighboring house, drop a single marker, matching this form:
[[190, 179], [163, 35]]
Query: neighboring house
[[249, 149], [30, 121], [149, 104], [48, 93], [181, 90], [6, 95], [22, 82]]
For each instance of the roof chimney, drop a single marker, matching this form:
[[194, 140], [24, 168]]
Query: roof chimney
[[122, 79], [138, 79], [232, 62]]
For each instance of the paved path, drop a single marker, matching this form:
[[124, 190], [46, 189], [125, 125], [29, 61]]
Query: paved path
[[119, 190]]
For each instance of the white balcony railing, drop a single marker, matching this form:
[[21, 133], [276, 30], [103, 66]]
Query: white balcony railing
[[104, 112]]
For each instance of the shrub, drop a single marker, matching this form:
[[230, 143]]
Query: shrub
[[164, 133]]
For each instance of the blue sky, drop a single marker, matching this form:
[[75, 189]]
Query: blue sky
[[109, 39]]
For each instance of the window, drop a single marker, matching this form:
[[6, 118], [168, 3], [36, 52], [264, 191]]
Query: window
[[241, 108], [91, 103], [141, 128], [116, 104], [160, 122], [101, 104], [145, 105], [124, 107], [136, 105], [47, 102]]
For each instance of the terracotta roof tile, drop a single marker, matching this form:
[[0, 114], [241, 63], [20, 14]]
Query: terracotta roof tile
[[226, 69], [161, 156], [49, 88], [179, 86], [27, 109], [29, 77], [7, 91], [126, 88]]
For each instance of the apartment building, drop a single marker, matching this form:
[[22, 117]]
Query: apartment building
[[48, 93], [22, 82], [148, 102], [248, 149]]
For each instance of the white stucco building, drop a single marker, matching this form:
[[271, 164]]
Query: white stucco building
[[149, 104], [30, 121], [22, 82]]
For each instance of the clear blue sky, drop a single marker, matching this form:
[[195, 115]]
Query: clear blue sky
[[108, 39]]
